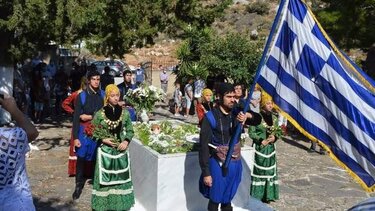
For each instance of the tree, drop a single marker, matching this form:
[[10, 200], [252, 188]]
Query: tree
[[349, 22], [26, 27], [190, 52], [136, 23], [109, 27], [5, 33], [233, 56]]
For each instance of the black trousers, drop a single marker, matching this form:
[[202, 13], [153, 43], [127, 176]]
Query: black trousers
[[213, 206], [80, 178], [80, 171]]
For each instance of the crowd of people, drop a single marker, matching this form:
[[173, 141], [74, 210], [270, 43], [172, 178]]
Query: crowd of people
[[39, 89], [102, 130]]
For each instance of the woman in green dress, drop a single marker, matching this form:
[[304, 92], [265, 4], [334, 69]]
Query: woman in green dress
[[264, 182], [112, 188]]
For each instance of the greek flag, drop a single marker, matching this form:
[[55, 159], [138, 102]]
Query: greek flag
[[321, 92]]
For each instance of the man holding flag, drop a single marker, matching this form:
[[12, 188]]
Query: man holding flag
[[216, 131]]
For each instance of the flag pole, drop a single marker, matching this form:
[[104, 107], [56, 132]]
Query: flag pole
[[238, 129]]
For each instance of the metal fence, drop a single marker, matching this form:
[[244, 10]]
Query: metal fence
[[151, 65]]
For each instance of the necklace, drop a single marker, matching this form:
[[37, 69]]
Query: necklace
[[112, 124]]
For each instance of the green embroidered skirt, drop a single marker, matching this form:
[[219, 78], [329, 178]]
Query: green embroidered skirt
[[264, 181], [112, 188]]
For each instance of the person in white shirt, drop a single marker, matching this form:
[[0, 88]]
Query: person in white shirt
[[163, 80], [177, 97], [188, 95], [199, 85]]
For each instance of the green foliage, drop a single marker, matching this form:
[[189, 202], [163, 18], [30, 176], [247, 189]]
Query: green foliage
[[166, 127], [350, 23], [258, 7], [109, 28], [233, 56], [171, 138], [192, 70], [30, 24], [195, 38], [190, 51], [142, 132], [197, 13]]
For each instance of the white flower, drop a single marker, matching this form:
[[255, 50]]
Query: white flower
[[144, 97], [153, 139], [244, 135], [164, 143], [153, 88]]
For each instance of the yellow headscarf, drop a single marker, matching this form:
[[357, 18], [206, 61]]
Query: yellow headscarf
[[206, 91], [108, 90], [265, 99]]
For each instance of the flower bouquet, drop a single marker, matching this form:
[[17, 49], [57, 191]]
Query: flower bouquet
[[275, 130], [144, 97], [98, 132], [169, 139]]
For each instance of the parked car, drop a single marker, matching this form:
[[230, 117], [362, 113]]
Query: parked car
[[122, 64], [117, 67]]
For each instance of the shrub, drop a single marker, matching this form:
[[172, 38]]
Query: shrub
[[260, 8]]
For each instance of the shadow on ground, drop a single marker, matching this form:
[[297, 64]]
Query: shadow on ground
[[294, 142], [53, 204], [50, 143], [56, 122]]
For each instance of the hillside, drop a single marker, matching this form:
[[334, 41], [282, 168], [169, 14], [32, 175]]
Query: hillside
[[252, 17], [241, 17]]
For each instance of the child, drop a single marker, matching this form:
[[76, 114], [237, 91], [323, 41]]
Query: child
[[177, 99]]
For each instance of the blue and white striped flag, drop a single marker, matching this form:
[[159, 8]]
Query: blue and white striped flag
[[322, 93]]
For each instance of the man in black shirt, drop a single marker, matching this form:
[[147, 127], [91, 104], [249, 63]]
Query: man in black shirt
[[106, 78], [217, 128], [124, 87], [88, 102]]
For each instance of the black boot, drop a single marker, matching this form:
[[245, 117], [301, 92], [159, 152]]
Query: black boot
[[80, 179], [226, 207], [77, 191]]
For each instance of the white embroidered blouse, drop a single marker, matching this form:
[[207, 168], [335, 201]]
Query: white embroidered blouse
[[14, 183]]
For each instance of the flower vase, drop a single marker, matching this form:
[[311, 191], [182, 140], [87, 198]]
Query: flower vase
[[143, 116]]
